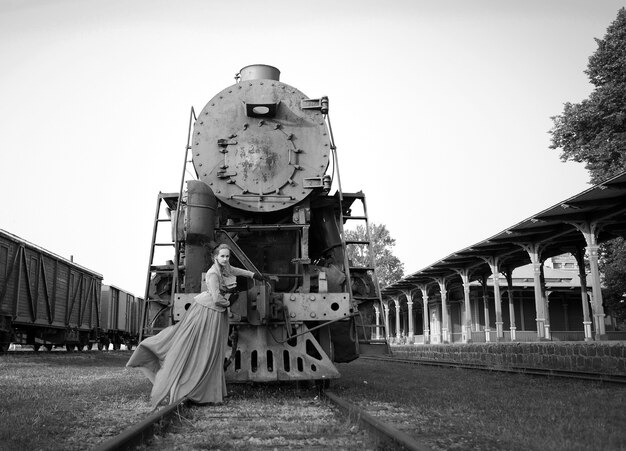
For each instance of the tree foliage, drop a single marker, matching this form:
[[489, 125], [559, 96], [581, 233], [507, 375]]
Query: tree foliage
[[613, 266], [594, 130], [388, 267]]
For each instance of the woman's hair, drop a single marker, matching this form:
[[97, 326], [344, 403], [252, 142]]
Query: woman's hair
[[218, 248]]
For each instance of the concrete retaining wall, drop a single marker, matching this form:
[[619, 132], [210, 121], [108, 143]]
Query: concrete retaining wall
[[595, 357]]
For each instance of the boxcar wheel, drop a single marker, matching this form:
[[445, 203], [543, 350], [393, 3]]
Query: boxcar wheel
[[100, 346], [36, 347], [5, 341], [48, 347], [69, 348]]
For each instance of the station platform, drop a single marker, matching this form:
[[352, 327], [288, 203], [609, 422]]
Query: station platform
[[600, 357]]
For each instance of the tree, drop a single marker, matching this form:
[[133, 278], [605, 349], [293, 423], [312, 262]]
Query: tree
[[613, 266], [594, 132], [388, 267]]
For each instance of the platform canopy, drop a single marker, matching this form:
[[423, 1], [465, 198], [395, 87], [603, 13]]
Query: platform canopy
[[601, 209]]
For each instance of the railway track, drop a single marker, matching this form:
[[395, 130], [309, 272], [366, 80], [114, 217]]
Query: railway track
[[311, 420], [581, 375], [61, 351]]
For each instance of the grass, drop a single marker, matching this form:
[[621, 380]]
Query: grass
[[75, 401], [64, 401], [468, 409]]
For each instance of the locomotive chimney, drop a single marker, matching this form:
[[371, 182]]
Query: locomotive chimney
[[259, 71]]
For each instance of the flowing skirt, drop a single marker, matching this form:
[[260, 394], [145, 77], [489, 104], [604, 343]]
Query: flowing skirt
[[186, 359]]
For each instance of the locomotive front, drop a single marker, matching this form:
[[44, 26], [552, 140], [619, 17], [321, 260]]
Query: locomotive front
[[261, 150], [261, 145]]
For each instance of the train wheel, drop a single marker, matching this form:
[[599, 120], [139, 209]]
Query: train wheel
[[36, 347], [5, 341], [129, 347], [89, 346], [116, 346], [48, 347], [100, 346], [70, 348]]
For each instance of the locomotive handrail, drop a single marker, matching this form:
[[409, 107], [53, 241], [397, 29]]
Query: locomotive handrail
[[201, 206]]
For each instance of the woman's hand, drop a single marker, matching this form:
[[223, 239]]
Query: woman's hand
[[222, 303], [261, 277]]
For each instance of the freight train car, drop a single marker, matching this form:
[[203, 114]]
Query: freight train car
[[120, 316], [261, 153], [45, 300]]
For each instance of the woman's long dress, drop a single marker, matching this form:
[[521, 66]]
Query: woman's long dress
[[187, 359]]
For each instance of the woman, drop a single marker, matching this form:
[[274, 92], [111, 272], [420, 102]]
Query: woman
[[187, 359]]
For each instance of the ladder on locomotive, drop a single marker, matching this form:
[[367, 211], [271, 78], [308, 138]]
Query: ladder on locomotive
[[171, 200], [368, 343]]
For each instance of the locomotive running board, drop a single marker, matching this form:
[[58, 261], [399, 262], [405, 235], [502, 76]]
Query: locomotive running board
[[260, 356]]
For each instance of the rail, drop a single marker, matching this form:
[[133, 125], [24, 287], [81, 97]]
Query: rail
[[383, 433], [534, 371], [139, 433]]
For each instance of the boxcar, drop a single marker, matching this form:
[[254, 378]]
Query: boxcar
[[45, 300], [120, 317]]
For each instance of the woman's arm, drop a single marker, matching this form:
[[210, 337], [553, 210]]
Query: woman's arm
[[241, 272]]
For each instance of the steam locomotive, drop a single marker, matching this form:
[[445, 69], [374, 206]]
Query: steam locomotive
[[262, 152]]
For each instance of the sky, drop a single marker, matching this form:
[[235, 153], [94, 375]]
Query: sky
[[440, 110]]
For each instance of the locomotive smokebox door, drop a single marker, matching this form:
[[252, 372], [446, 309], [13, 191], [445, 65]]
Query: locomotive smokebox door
[[255, 145]]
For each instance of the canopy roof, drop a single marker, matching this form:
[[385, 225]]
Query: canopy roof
[[555, 229]]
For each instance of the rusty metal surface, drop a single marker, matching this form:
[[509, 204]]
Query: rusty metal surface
[[264, 355], [141, 432], [386, 432], [317, 306], [254, 145]]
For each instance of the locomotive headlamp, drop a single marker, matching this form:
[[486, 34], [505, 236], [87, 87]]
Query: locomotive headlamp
[[261, 109]]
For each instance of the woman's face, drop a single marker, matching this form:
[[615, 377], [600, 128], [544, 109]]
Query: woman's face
[[223, 257]]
